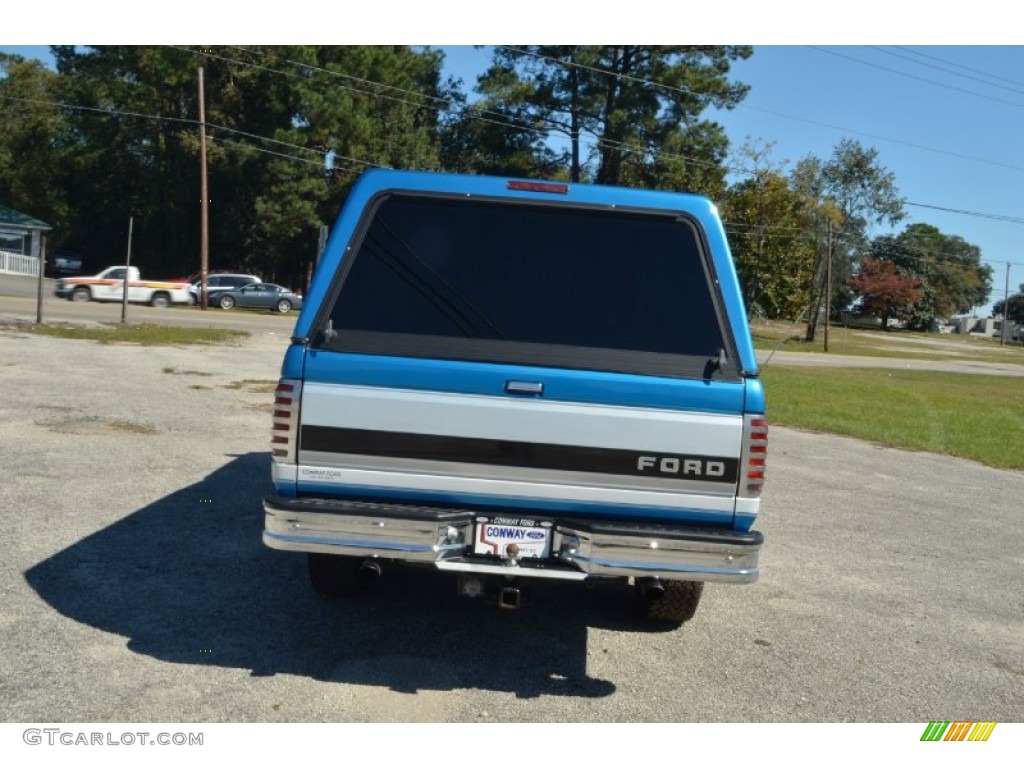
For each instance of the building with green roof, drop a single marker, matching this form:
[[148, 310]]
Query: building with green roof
[[20, 242]]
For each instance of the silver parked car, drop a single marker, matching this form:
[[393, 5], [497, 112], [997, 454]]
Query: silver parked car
[[216, 283], [260, 296]]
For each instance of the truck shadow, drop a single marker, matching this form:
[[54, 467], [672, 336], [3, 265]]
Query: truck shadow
[[187, 580]]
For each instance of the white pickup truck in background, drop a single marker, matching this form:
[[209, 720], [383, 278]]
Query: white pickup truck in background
[[109, 285]]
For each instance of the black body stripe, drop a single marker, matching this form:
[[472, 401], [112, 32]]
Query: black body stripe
[[507, 453]]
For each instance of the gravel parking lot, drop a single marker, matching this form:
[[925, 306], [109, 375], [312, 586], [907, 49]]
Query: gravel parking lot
[[135, 586]]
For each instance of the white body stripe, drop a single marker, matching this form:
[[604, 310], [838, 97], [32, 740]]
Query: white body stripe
[[331, 477], [531, 420], [749, 507], [648, 482]]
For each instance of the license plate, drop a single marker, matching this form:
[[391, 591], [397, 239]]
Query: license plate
[[505, 536]]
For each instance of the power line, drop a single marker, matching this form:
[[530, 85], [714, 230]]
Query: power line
[[979, 214], [598, 142], [365, 163], [774, 232], [938, 258], [474, 113], [334, 73], [250, 147], [947, 70], [923, 55], [783, 115], [109, 111], [916, 77], [311, 67], [440, 102]]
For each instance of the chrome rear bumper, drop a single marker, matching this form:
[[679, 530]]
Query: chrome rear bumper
[[580, 548]]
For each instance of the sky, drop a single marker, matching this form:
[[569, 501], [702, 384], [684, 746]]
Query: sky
[[945, 120]]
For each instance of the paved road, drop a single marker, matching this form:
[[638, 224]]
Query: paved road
[[135, 586], [18, 302]]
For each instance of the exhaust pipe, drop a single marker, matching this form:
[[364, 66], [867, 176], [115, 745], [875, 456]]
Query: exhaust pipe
[[651, 588], [369, 570]]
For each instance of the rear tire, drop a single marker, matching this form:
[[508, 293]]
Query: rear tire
[[335, 575], [81, 294], [226, 302], [160, 301], [676, 606]]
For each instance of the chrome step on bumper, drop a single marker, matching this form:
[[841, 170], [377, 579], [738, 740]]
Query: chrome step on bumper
[[580, 548]]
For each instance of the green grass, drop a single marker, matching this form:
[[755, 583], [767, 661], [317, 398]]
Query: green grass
[[974, 417], [148, 335], [901, 345]]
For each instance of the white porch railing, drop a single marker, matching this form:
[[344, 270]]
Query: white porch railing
[[18, 264]]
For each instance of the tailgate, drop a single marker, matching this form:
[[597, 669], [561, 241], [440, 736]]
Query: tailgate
[[515, 437]]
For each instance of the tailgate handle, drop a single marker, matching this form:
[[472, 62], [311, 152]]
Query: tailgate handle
[[534, 388]]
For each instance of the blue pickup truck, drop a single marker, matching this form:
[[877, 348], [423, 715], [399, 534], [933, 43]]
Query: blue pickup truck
[[508, 380]]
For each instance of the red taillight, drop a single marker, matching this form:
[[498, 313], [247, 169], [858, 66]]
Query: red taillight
[[284, 428], [284, 388], [755, 456]]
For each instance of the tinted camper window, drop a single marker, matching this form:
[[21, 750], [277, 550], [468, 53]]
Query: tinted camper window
[[525, 283]]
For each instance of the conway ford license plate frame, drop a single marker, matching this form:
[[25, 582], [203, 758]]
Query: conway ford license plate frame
[[511, 537]]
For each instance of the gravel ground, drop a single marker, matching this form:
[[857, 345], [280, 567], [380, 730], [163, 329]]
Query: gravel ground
[[135, 586]]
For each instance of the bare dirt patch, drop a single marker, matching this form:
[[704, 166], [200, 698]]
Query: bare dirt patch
[[177, 372], [255, 386], [87, 425]]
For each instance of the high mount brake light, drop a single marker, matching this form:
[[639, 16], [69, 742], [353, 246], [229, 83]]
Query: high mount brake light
[[539, 186]]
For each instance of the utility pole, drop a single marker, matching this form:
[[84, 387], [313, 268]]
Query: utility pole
[[574, 120], [127, 269], [817, 289], [828, 281], [39, 285], [204, 195], [320, 245], [1006, 307]]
